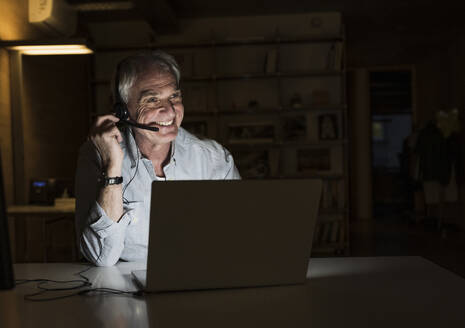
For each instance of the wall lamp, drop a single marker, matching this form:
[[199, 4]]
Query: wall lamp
[[57, 47]]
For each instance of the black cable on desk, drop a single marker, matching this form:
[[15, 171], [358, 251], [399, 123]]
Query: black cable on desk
[[84, 282]]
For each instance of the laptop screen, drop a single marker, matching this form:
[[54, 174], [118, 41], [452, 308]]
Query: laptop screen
[[6, 268]]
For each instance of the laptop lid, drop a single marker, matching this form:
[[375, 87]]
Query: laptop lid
[[233, 233]]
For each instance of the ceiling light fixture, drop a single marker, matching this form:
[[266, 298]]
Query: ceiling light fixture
[[47, 48]]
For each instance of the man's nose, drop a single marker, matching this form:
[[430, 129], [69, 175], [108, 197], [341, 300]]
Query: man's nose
[[166, 105]]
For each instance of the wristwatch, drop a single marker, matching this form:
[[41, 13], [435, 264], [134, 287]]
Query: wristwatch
[[107, 181]]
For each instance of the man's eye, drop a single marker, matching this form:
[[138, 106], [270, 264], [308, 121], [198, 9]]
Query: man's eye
[[152, 100], [175, 95]]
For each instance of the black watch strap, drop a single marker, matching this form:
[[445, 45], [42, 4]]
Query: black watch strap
[[107, 181]]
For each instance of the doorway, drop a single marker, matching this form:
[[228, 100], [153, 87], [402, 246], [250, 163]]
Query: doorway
[[391, 101]]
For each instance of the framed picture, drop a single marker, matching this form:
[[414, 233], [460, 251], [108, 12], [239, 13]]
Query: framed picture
[[327, 127], [255, 132]]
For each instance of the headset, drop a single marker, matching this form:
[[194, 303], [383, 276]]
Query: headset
[[121, 111]]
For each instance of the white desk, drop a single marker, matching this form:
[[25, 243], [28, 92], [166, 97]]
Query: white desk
[[341, 292]]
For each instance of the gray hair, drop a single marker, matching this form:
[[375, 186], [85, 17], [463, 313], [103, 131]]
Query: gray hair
[[128, 71]]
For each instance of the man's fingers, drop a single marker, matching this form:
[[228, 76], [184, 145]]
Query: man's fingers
[[113, 132], [104, 128], [109, 117]]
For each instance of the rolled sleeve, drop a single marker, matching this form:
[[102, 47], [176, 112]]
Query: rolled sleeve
[[104, 226], [101, 240]]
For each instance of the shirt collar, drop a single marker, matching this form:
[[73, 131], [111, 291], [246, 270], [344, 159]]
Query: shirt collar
[[134, 151]]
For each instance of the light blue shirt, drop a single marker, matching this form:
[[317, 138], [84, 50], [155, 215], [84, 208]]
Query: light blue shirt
[[103, 241]]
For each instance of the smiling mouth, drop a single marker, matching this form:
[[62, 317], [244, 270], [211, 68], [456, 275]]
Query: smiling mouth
[[165, 123]]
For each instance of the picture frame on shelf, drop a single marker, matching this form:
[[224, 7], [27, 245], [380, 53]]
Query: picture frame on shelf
[[328, 127], [251, 132]]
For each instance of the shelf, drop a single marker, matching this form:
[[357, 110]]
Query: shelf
[[251, 144], [309, 74], [313, 144], [251, 76], [227, 43], [278, 111]]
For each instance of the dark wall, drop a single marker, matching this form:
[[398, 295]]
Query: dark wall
[[14, 14], [55, 114]]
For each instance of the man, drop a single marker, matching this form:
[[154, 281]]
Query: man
[[112, 216]]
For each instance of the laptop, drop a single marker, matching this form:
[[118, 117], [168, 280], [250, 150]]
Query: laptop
[[229, 233]]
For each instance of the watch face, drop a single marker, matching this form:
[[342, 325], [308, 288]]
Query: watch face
[[114, 180], [106, 181]]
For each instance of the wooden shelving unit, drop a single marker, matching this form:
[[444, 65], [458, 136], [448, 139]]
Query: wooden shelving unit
[[267, 101], [270, 151]]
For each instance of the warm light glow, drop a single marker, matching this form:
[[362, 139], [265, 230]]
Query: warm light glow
[[66, 49]]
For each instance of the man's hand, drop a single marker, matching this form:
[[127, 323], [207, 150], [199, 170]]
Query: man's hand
[[106, 138]]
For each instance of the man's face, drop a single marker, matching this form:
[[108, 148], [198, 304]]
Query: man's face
[[154, 100]]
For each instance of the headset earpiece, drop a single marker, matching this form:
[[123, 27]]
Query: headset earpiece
[[121, 110]]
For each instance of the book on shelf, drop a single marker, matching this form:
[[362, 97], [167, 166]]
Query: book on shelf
[[271, 61], [335, 57]]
